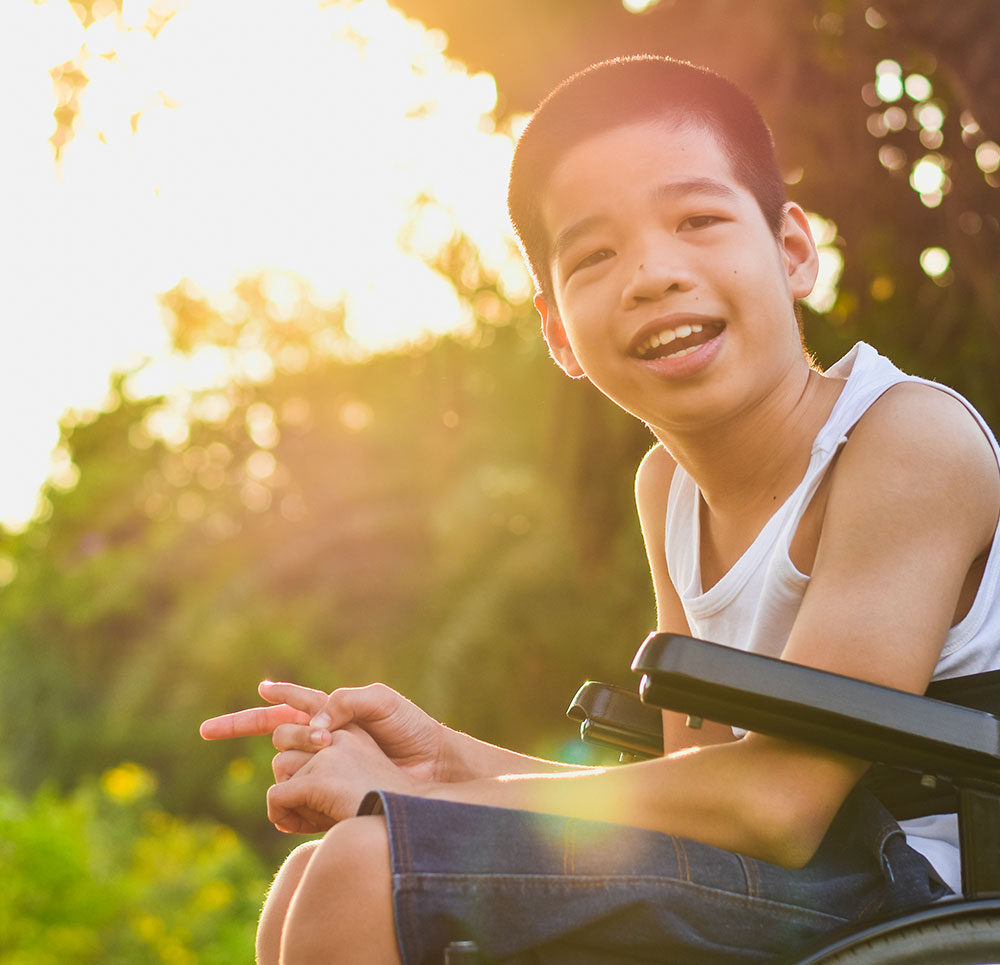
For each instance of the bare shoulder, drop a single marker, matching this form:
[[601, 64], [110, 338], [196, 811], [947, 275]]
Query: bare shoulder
[[919, 462], [918, 431], [652, 479], [912, 507]]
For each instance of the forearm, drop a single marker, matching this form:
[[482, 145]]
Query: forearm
[[769, 799], [468, 759]]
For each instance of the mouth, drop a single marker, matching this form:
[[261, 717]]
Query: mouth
[[675, 339]]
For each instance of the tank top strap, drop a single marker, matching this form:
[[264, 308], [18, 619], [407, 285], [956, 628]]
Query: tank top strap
[[682, 534], [868, 375]]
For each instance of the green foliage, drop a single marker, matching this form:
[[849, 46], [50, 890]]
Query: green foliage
[[435, 518], [105, 876], [455, 519]]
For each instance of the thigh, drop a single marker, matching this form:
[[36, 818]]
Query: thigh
[[540, 888]]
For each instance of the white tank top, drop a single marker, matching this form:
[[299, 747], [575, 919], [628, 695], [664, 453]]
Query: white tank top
[[756, 602]]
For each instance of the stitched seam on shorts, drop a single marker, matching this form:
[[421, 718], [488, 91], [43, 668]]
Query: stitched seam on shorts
[[411, 925], [752, 878], [683, 868], [569, 847], [875, 903]]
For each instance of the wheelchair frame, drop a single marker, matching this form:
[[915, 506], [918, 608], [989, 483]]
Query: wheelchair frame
[[946, 746]]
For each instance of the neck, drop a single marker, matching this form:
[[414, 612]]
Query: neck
[[756, 458]]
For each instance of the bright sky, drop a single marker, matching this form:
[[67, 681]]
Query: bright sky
[[271, 136]]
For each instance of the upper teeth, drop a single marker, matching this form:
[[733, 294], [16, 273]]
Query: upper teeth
[[666, 336]]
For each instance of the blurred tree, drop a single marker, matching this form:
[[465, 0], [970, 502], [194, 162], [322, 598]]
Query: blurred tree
[[455, 519], [847, 153], [406, 519], [965, 39]]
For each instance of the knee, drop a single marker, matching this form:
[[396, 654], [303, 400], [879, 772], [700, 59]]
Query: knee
[[297, 860], [279, 897], [344, 900], [353, 851]]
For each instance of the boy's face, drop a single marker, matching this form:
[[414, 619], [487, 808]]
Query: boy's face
[[670, 292]]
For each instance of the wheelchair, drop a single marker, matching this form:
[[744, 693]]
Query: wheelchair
[[935, 753]]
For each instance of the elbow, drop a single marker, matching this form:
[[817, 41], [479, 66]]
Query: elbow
[[788, 833], [793, 798], [793, 849]]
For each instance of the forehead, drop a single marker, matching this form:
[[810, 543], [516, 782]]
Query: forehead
[[640, 157]]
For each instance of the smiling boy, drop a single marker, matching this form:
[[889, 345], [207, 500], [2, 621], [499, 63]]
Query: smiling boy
[[843, 520]]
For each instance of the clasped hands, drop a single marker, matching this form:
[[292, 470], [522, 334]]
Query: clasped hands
[[334, 748]]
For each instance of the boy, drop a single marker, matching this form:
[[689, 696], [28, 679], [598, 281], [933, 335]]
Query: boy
[[844, 521]]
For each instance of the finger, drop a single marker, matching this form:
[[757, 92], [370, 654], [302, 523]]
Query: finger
[[301, 698], [251, 722], [361, 704], [287, 763], [289, 737], [288, 813]]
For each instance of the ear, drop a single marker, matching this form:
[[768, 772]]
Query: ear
[[555, 337], [799, 250]]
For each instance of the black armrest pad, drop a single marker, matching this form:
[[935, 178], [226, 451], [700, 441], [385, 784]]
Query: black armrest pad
[[800, 703], [617, 718]]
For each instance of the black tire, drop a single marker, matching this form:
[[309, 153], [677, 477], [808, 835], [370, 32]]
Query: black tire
[[959, 940]]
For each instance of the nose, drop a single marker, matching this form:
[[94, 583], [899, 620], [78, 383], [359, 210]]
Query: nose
[[656, 274]]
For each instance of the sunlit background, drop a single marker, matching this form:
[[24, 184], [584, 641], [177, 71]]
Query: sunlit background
[[333, 145], [297, 139], [330, 144], [274, 401]]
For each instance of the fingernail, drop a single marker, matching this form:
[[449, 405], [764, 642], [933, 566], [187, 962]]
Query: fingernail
[[319, 736], [322, 719]]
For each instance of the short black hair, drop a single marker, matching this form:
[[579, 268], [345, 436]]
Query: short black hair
[[622, 91]]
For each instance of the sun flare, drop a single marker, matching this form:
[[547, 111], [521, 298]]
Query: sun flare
[[212, 141]]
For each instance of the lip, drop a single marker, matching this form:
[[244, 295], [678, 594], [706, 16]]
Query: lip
[[683, 366]]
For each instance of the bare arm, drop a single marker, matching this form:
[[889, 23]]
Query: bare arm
[[913, 504], [652, 486], [301, 719]]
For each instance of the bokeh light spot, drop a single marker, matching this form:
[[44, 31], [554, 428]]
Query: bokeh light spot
[[988, 157], [261, 425], [931, 140], [256, 497], [874, 19], [876, 125], [929, 116], [831, 264], [356, 416], [927, 175], [891, 157], [934, 261], [969, 124], [882, 288], [8, 570], [895, 118], [918, 87], [261, 464], [889, 81]]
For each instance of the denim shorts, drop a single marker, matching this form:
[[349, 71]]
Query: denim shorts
[[536, 888]]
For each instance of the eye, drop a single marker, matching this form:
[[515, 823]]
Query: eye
[[700, 221], [594, 258]]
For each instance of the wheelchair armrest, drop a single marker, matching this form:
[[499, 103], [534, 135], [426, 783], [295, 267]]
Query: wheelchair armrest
[[800, 703], [616, 717]]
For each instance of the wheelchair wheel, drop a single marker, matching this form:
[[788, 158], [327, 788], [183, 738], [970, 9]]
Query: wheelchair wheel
[[955, 940]]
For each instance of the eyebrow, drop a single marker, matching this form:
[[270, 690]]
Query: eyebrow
[[671, 191]]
